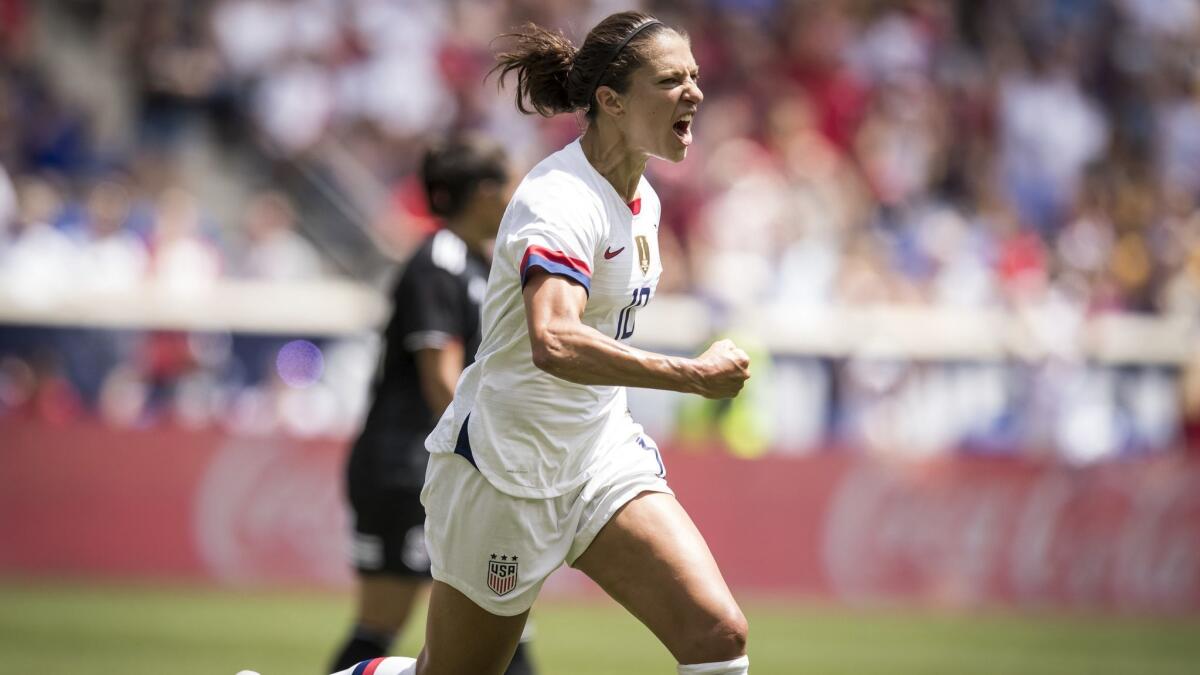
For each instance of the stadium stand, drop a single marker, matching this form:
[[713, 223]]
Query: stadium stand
[[958, 227]]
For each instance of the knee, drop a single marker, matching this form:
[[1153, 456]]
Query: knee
[[732, 632], [722, 638]]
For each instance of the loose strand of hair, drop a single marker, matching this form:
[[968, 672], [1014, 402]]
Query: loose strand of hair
[[542, 62]]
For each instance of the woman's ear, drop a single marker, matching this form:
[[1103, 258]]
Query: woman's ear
[[610, 101]]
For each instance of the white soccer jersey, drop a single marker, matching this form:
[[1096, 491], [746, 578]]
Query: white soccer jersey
[[532, 434]]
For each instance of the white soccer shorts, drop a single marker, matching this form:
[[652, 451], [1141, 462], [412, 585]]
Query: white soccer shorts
[[498, 549]]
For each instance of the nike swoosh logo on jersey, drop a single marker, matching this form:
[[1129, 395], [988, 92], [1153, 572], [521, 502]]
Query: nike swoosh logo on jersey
[[609, 254]]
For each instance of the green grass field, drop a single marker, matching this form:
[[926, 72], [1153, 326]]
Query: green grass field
[[144, 630]]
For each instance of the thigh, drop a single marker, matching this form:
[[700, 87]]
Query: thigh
[[461, 637], [651, 558], [496, 549]]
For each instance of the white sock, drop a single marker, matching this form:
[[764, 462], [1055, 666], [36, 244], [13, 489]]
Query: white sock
[[738, 666], [390, 665]]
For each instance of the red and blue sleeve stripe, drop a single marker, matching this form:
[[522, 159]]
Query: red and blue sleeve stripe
[[556, 262], [367, 667]]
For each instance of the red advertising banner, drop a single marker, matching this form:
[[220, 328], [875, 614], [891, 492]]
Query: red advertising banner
[[169, 503]]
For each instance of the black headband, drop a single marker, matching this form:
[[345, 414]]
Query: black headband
[[615, 53]]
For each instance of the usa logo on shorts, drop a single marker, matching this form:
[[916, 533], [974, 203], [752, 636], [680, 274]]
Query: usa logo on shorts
[[502, 574]]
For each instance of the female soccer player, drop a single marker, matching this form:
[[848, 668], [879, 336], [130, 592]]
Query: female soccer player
[[537, 461]]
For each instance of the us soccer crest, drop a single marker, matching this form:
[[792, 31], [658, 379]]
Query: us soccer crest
[[502, 574]]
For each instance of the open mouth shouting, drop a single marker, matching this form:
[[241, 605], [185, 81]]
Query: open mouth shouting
[[683, 128]]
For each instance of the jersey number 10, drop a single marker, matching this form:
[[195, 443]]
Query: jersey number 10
[[641, 297]]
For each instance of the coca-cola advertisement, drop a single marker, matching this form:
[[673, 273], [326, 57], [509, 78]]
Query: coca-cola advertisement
[[102, 502]]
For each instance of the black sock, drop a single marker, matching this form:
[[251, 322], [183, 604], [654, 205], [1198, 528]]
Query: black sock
[[362, 645], [521, 664]]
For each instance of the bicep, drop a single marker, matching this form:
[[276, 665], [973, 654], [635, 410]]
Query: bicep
[[550, 299]]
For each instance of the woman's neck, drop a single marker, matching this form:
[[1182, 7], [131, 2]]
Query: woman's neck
[[606, 150]]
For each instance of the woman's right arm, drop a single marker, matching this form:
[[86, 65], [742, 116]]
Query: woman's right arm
[[565, 347]]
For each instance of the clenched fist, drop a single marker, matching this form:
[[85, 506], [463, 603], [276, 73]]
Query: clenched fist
[[723, 370]]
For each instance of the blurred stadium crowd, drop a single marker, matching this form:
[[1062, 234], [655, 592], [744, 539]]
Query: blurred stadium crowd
[[993, 154]]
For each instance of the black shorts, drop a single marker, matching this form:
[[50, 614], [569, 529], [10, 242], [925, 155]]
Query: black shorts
[[389, 520]]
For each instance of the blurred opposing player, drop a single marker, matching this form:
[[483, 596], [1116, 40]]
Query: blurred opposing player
[[433, 334], [537, 461]]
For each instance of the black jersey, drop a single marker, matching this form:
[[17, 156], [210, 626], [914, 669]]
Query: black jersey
[[436, 301]]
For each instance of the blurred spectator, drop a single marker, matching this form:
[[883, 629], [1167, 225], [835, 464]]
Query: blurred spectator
[[111, 256], [738, 229], [175, 63], [183, 258], [272, 249], [1049, 130], [37, 259]]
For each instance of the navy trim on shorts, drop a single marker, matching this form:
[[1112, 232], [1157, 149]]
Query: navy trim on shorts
[[463, 446]]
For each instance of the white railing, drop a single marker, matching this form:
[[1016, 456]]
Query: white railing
[[327, 307], [675, 322]]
